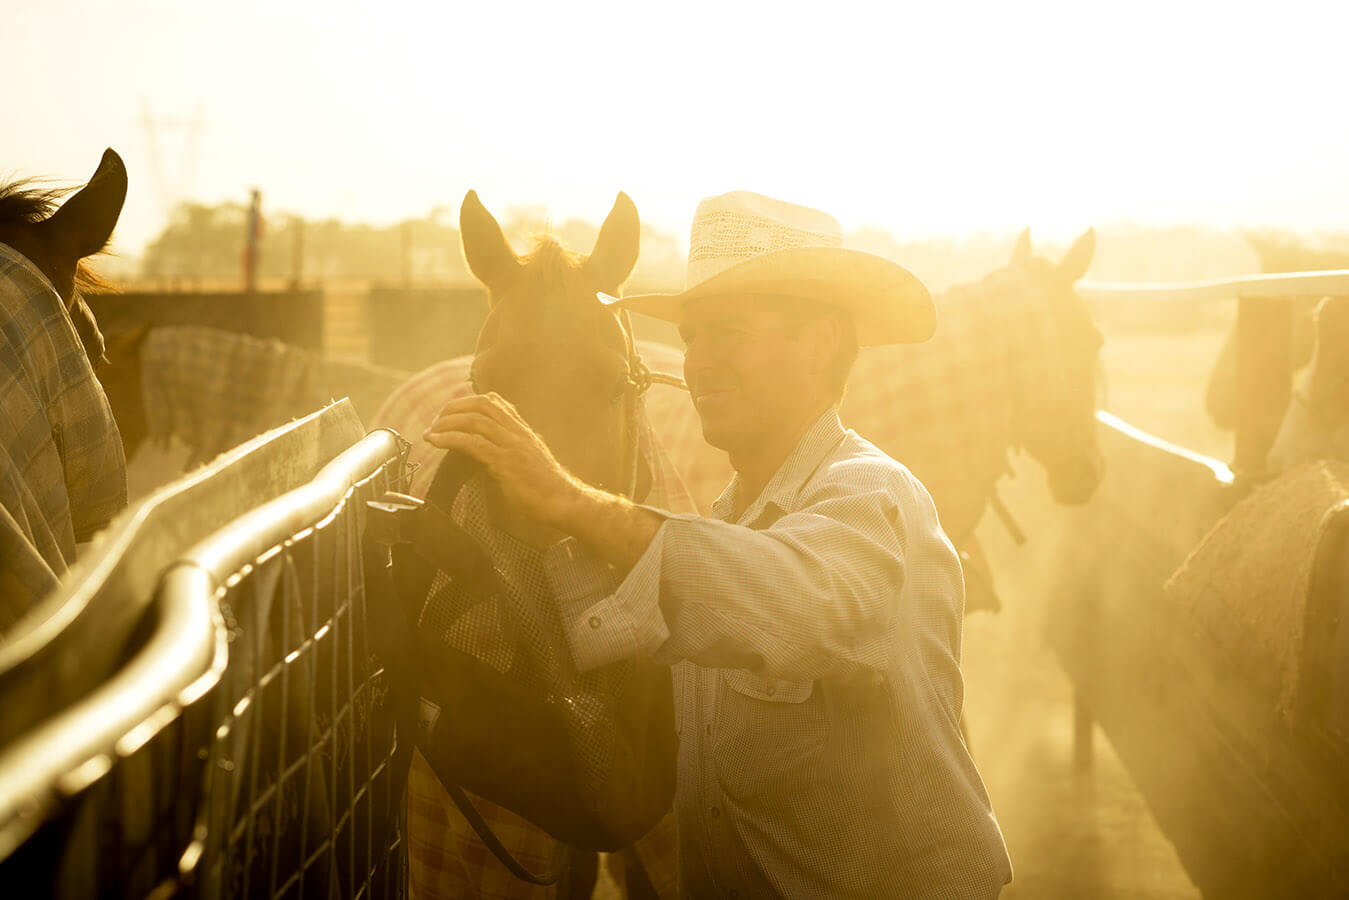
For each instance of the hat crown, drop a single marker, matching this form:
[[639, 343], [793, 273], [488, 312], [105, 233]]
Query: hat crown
[[731, 228]]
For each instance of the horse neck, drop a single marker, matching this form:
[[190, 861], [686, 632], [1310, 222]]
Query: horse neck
[[980, 341]]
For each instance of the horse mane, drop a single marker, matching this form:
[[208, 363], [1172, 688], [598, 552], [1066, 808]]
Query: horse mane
[[28, 201]]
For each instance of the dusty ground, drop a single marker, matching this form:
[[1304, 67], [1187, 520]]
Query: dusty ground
[[1071, 834]]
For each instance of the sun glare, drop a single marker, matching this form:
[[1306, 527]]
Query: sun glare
[[932, 120]]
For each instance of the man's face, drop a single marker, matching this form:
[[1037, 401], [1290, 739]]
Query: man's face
[[749, 375]]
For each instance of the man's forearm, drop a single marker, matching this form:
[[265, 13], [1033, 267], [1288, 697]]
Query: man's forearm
[[611, 527]]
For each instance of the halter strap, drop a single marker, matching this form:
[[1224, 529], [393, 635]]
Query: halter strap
[[640, 379]]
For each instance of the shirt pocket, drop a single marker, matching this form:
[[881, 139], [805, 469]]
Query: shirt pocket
[[770, 690], [769, 736]]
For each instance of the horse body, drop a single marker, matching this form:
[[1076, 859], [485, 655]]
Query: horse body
[[62, 472], [1316, 425], [551, 349]]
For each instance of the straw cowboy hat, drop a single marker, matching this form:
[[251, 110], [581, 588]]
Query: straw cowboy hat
[[745, 243]]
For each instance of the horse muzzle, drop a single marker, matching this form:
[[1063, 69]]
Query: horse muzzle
[[1074, 482]]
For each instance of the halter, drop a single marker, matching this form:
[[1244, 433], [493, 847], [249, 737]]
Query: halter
[[640, 379]]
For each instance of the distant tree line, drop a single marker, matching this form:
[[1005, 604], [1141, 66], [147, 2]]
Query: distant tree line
[[205, 243]]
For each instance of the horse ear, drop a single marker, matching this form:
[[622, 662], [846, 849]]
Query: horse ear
[[486, 250], [84, 223], [1021, 252], [615, 253], [1078, 258]]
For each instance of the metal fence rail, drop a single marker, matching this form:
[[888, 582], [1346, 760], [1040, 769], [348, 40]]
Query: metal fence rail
[[304, 790], [1263, 366], [252, 734], [1332, 282]]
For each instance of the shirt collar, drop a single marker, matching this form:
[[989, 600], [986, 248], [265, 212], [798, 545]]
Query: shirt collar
[[782, 489]]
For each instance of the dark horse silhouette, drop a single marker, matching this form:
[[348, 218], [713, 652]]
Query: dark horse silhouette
[[62, 472]]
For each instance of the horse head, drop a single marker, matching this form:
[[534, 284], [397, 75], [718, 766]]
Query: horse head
[[550, 347], [1054, 390], [56, 239]]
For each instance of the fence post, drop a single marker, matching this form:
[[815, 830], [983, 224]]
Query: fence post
[[1264, 377]]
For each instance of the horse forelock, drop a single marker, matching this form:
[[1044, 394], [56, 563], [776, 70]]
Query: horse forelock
[[29, 201], [552, 301]]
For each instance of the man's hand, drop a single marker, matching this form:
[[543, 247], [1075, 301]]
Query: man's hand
[[488, 428]]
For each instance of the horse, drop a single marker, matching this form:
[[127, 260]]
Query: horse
[[1012, 366], [213, 389], [1316, 425], [567, 364], [62, 471], [1221, 396]]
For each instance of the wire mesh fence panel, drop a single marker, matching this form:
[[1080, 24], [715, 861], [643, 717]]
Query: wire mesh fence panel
[[303, 789], [271, 764]]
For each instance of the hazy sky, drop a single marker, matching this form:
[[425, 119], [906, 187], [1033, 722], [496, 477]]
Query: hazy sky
[[922, 118]]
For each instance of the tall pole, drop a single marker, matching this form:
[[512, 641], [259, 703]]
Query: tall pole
[[405, 236], [251, 241], [296, 252]]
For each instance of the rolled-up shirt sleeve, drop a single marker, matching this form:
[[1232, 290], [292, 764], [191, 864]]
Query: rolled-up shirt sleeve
[[810, 595]]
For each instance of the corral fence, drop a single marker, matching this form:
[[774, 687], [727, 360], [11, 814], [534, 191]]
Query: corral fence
[[199, 711], [296, 317], [398, 326], [1255, 801]]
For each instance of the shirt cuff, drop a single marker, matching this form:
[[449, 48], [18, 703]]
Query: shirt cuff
[[605, 621]]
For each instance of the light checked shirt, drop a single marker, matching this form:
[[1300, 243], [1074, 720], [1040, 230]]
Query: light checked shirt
[[815, 645]]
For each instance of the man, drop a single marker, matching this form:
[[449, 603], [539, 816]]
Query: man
[[814, 621]]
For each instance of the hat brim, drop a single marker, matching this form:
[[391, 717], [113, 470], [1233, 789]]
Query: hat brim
[[888, 302]]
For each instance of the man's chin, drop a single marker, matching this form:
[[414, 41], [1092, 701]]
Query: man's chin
[[716, 432]]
